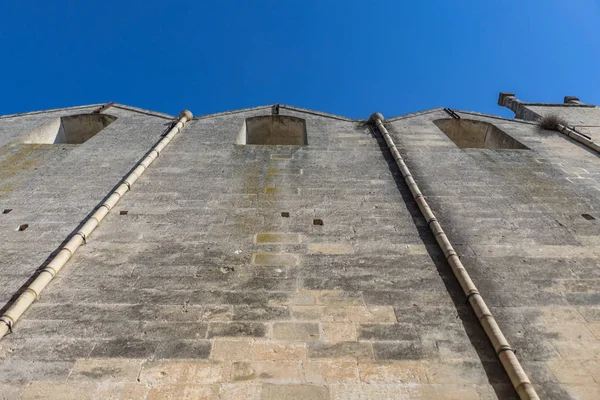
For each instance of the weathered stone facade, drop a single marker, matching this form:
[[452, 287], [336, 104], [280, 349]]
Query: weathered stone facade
[[282, 272]]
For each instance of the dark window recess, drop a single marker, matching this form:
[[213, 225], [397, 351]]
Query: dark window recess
[[278, 130], [123, 212], [588, 217], [285, 214], [472, 134], [73, 129], [317, 221]]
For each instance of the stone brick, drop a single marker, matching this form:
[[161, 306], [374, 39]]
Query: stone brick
[[328, 372], [330, 248], [233, 329], [388, 332], [114, 369], [338, 298], [292, 392], [266, 371], [124, 348], [575, 371], [320, 313], [278, 351], [61, 391], [404, 350], [394, 372], [468, 372], [240, 391], [181, 372], [372, 314], [341, 351], [187, 391], [228, 350], [184, 349], [577, 350], [274, 259], [295, 331], [338, 332]]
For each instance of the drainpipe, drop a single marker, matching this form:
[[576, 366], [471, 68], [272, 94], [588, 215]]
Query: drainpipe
[[508, 100], [584, 140], [30, 294], [509, 361]]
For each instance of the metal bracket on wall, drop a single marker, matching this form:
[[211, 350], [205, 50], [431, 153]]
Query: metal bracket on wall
[[103, 108], [452, 113]]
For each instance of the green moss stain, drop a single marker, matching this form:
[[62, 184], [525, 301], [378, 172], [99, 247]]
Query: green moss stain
[[16, 162]]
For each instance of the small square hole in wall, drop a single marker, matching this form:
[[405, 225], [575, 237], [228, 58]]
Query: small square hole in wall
[[317, 221], [285, 214], [588, 217], [6, 210], [123, 212], [22, 227]]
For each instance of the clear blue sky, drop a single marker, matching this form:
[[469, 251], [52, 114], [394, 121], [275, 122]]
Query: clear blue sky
[[344, 57]]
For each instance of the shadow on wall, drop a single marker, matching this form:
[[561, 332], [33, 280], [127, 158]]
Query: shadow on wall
[[74, 129], [477, 337], [472, 134]]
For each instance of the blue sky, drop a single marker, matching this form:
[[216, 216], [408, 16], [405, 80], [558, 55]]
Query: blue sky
[[344, 57]]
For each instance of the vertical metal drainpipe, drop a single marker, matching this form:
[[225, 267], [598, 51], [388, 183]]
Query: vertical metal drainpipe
[[505, 353], [31, 292]]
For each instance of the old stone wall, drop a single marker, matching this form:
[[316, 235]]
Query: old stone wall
[[275, 272]]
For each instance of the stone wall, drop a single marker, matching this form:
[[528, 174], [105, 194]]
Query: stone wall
[[274, 272]]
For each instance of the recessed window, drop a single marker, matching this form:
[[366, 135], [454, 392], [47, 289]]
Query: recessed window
[[471, 134], [278, 130], [74, 129]]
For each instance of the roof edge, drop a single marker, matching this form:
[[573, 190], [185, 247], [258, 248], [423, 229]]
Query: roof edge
[[474, 113], [93, 106], [284, 106], [50, 110]]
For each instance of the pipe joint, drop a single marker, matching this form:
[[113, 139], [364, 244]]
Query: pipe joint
[[7, 321]]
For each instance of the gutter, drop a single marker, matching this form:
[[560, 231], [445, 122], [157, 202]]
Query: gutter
[[505, 352], [33, 290]]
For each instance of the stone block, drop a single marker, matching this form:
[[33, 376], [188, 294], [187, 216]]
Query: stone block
[[183, 349], [181, 372], [341, 351], [394, 372], [339, 298], [330, 248], [123, 348], [184, 391], [265, 371], [293, 392], [338, 332], [100, 370], [372, 314], [295, 331], [235, 329], [330, 372]]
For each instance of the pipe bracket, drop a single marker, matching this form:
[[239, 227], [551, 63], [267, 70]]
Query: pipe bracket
[[7, 322], [82, 236], [471, 293], [505, 348]]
